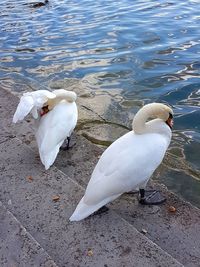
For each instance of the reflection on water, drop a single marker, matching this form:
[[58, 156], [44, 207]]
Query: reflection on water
[[132, 52]]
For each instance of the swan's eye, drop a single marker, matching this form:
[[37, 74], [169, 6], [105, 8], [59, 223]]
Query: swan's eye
[[170, 115]]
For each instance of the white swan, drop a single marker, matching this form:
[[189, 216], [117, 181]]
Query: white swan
[[130, 161], [57, 120]]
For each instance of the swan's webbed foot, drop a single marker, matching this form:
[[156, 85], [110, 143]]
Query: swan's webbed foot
[[151, 197], [132, 192], [101, 210], [68, 144]]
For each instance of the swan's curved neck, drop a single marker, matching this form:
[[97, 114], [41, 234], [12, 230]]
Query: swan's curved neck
[[67, 96], [53, 102], [139, 122]]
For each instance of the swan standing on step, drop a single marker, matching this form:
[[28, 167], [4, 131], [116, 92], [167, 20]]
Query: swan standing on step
[[57, 117], [128, 163]]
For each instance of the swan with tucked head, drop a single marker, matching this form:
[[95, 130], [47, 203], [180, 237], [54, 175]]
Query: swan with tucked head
[[56, 114], [56, 125], [128, 163]]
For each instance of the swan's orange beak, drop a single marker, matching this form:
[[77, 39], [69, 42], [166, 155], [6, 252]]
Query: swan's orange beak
[[170, 122]]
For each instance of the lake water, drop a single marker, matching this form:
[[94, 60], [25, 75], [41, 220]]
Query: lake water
[[134, 51]]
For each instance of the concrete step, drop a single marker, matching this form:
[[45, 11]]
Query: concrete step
[[17, 246]]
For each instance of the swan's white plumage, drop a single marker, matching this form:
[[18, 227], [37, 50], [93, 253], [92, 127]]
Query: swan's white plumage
[[31, 102], [124, 166], [53, 127]]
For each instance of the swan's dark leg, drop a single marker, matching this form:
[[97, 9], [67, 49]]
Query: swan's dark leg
[[101, 210], [68, 141], [150, 197], [132, 192], [67, 144]]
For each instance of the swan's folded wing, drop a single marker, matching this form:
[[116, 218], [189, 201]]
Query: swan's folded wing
[[42, 96], [24, 107], [31, 102], [54, 128], [128, 163]]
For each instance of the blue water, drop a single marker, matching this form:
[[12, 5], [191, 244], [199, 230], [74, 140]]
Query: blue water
[[144, 50]]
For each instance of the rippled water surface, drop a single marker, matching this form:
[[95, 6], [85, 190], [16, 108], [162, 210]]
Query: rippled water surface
[[136, 51]]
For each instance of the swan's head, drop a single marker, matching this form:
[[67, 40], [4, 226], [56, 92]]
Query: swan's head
[[162, 112], [152, 111]]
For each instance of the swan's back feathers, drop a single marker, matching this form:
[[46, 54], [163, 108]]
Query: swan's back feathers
[[69, 96], [121, 168], [31, 102]]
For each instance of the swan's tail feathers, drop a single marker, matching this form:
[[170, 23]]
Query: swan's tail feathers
[[83, 210], [48, 158], [24, 107]]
